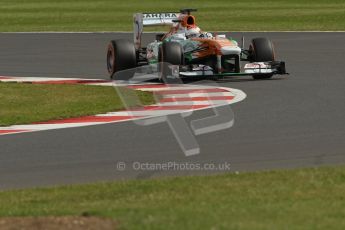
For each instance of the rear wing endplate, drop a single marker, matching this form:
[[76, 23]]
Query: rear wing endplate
[[150, 19]]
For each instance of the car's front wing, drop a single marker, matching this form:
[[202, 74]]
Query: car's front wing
[[253, 68]]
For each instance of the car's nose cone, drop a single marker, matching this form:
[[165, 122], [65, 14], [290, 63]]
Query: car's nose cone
[[230, 50]]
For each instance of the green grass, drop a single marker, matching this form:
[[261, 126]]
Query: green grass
[[114, 15], [297, 199], [27, 103]]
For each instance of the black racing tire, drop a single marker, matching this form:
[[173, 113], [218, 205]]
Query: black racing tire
[[170, 53], [121, 55], [262, 50]]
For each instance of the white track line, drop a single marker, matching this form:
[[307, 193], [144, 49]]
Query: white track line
[[143, 113], [211, 94]]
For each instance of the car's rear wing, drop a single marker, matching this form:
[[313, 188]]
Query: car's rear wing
[[150, 19]]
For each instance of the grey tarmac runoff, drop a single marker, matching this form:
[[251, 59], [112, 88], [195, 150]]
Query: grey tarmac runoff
[[287, 122]]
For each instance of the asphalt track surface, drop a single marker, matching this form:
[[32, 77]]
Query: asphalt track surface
[[287, 122]]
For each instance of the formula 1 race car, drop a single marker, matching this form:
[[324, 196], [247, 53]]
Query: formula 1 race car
[[190, 51]]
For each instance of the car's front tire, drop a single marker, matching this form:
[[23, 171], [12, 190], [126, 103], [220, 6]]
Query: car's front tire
[[121, 56], [170, 53], [262, 50]]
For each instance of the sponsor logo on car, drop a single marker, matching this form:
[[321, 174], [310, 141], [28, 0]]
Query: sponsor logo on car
[[160, 15]]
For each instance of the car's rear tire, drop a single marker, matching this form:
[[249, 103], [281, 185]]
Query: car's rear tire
[[121, 56], [170, 53], [262, 50]]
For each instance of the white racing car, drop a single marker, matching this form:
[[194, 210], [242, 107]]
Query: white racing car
[[190, 51]]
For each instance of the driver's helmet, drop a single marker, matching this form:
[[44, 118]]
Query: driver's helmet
[[206, 35], [193, 32]]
